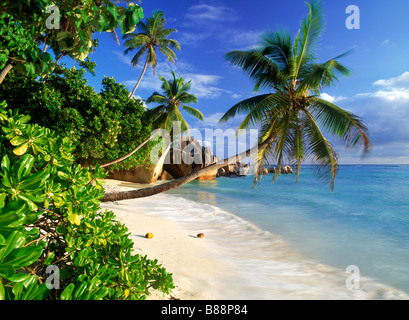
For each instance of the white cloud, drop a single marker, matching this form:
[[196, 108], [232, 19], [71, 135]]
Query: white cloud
[[395, 89], [123, 58], [386, 112], [401, 81], [207, 13], [393, 95], [205, 86], [240, 39], [332, 99], [193, 39]]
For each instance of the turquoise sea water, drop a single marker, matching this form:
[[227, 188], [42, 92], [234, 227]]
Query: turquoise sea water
[[363, 223]]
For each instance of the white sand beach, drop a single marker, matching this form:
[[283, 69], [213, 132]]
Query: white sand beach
[[179, 250]]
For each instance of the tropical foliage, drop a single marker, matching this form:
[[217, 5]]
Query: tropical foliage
[[152, 36], [50, 215], [293, 113], [101, 126], [176, 94], [25, 28]]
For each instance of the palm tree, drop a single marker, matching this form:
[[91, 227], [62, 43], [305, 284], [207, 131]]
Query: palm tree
[[175, 94], [152, 35], [293, 113], [293, 116]]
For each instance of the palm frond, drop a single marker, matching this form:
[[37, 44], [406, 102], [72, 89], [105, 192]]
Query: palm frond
[[165, 86], [193, 112], [345, 125], [259, 68], [320, 150], [185, 97], [311, 31], [171, 43], [278, 47], [285, 142], [244, 106], [168, 53], [157, 114], [138, 55], [179, 117], [170, 117], [319, 76], [156, 97]]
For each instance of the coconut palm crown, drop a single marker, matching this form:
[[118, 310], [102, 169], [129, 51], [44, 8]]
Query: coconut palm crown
[[293, 113], [175, 94], [152, 35]]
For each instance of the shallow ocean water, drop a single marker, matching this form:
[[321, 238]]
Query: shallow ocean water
[[287, 240]]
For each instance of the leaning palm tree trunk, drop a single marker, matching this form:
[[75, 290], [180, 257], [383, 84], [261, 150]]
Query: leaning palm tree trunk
[[4, 72], [140, 78], [150, 191], [125, 156]]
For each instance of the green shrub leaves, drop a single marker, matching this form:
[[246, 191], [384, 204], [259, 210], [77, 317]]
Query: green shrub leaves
[[50, 215]]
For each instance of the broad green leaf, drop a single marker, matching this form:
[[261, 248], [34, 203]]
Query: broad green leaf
[[19, 277], [31, 205], [8, 218], [61, 229], [24, 256], [17, 140], [67, 293], [2, 198], [6, 270], [14, 241], [21, 149], [26, 163], [74, 218], [49, 258], [79, 291], [35, 292], [6, 179], [63, 35], [63, 175], [17, 290], [2, 292], [5, 163]]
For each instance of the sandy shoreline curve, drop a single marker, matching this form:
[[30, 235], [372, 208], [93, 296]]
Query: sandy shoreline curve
[[179, 250], [236, 260]]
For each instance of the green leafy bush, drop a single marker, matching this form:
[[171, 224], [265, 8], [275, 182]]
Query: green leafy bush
[[50, 215], [102, 126]]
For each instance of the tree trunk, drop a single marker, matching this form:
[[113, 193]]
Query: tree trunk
[[150, 191], [126, 156], [140, 78], [4, 72]]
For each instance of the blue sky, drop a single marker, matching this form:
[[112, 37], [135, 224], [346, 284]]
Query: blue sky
[[378, 90]]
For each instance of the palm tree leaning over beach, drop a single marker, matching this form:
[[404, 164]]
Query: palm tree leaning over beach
[[293, 116], [293, 113], [175, 94], [152, 35]]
